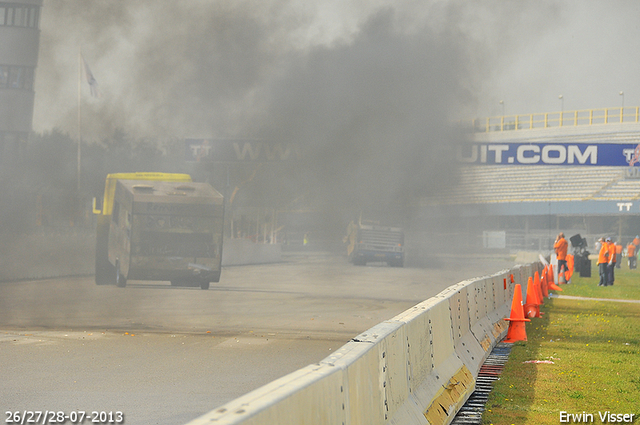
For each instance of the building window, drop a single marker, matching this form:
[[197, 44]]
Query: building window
[[18, 15], [16, 77]]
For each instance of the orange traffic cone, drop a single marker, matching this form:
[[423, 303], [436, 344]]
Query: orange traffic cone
[[554, 287], [532, 306], [544, 285], [538, 287], [517, 331], [551, 286]]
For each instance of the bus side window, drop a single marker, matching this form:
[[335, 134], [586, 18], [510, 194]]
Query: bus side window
[[116, 212]]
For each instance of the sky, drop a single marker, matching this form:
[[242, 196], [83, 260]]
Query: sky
[[585, 51], [211, 68]]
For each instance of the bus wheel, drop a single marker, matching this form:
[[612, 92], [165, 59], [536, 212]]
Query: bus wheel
[[204, 284], [121, 281]]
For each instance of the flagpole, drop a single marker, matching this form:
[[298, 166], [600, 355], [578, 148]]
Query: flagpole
[[79, 119]]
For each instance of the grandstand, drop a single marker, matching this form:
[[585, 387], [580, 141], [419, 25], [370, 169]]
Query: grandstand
[[533, 175], [499, 184]]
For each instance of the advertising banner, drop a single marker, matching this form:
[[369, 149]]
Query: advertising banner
[[234, 150], [573, 154]]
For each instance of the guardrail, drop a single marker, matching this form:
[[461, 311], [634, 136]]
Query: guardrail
[[416, 368], [557, 119]]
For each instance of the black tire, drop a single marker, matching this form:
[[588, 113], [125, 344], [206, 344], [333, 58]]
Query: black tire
[[204, 285], [121, 281]]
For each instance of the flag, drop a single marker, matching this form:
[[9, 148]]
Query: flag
[[93, 84], [636, 156]]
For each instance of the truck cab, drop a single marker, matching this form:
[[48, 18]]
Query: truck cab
[[372, 242]]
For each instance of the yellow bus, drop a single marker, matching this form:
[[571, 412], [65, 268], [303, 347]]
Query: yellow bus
[[159, 226]]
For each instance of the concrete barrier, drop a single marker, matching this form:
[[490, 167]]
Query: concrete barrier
[[448, 383], [416, 368], [373, 367], [294, 395]]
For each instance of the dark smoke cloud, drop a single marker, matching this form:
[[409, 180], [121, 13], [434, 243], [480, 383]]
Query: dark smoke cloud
[[201, 68], [183, 68], [367, 92], [196, 67], [372, 115]]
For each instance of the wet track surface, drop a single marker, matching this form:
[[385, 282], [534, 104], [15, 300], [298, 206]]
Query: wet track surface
[[165, 355]]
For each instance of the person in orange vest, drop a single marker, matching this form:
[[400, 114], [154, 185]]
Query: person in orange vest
[[618, 254], [612, 261], [636, 241], [570, 264], [603, 261], [631, 256], [560, 246]]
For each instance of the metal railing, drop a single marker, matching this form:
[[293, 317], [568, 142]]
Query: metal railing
[[557, 119]]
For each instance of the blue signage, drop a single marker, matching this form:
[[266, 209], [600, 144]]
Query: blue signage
[[594, 154]]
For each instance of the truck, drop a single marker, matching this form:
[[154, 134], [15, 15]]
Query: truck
[[159, 226], [369, 241]]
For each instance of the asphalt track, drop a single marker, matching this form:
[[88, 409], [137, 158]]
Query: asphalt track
[[165, 355]]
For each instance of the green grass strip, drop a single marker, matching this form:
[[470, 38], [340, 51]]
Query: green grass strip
[[595, 350]]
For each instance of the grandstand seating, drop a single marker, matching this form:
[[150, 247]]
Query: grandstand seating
[[496, 184], [491, 184]]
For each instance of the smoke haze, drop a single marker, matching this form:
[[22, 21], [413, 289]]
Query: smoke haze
[[367, 89], [201, 68], [366, 92], [209, 68]]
